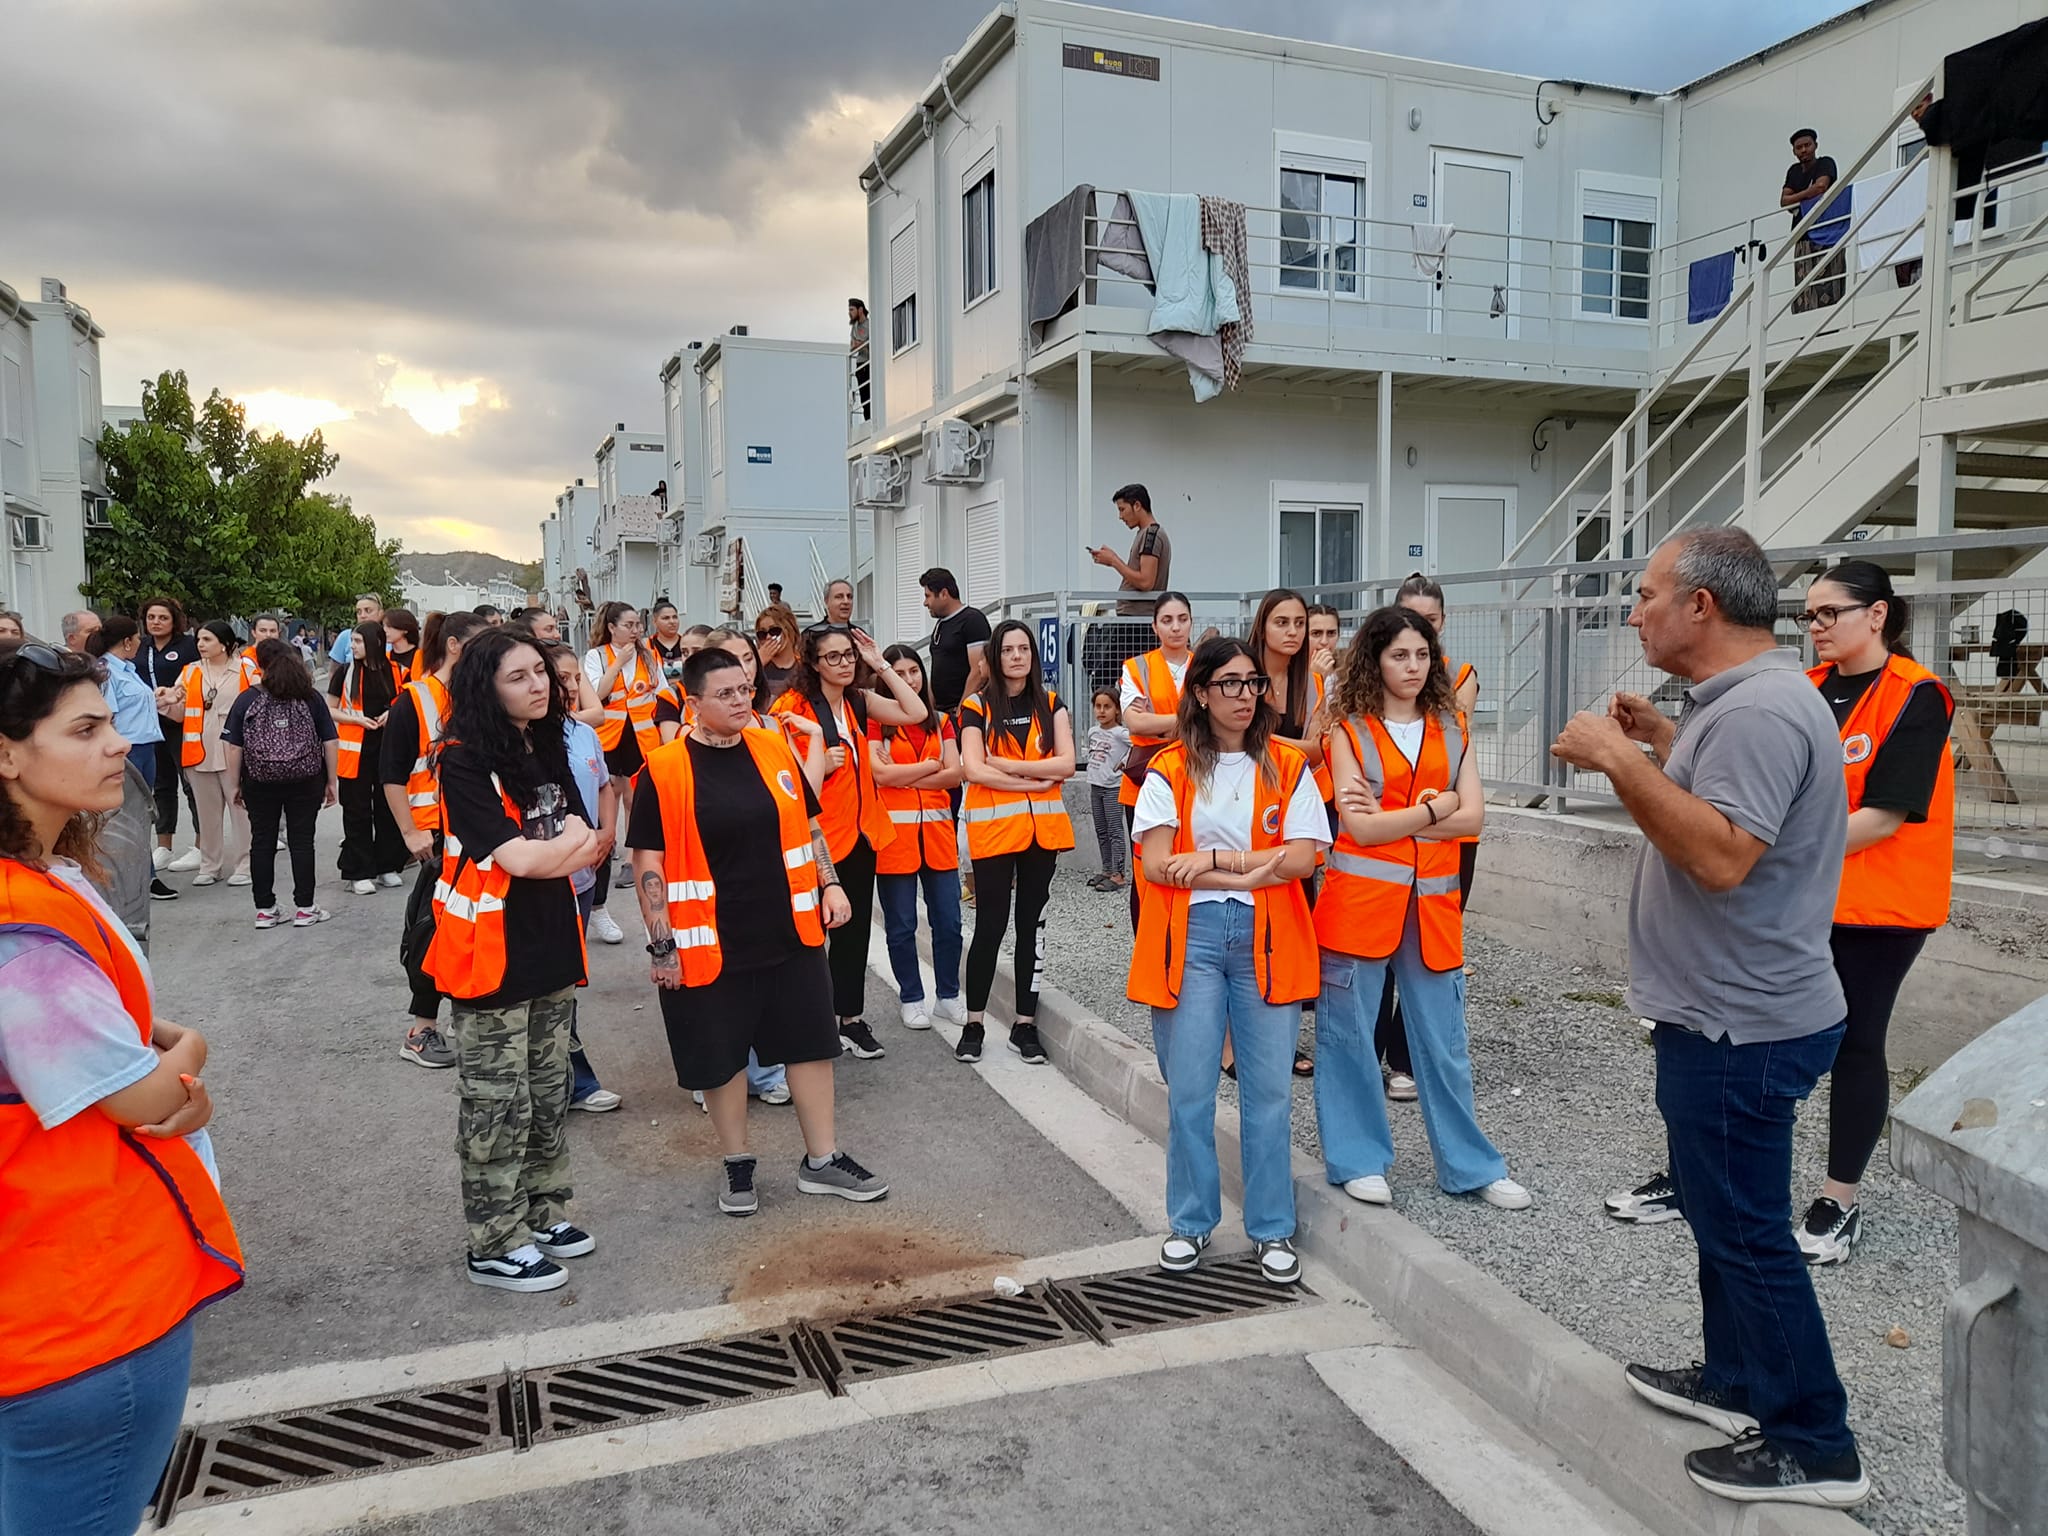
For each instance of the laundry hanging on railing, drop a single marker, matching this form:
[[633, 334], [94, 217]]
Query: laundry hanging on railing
[[1432, 242], [1119, 246], [1194, 294], [1053, 245], [1827, 234], [1709, 284]]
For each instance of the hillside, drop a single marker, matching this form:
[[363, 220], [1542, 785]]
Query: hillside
[[465, 567]]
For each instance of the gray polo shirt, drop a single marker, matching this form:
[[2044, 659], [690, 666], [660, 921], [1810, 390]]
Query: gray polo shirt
[[1757, 743]]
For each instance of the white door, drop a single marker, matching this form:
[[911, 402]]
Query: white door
[[1480, 196], [910, 564]]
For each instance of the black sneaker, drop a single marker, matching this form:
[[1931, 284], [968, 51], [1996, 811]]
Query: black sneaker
[[564, 1241], [1829, 1232], [1652, 1201], [1278, 1261], [738, 1197], [1024, 1041], [158, 891], [855, 1036], [523, 1269], [1754, 1471], [969, 1048], [1680, 1392]]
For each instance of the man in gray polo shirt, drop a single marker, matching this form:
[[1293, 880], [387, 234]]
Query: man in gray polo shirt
[[1744, 815]]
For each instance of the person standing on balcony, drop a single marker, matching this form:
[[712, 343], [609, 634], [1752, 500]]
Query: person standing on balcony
[[1810, 175], [1745, 820], [857, 344]]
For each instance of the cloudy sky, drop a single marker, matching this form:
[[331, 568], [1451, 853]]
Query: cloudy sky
[[461, 236]]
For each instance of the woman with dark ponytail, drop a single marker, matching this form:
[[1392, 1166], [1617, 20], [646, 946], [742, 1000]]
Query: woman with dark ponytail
[[1894, 717]]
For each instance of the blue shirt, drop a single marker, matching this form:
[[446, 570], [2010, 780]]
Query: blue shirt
[[135, 715], [586, 766], [338, 653]]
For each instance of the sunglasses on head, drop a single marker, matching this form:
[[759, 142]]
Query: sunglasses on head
[[47, 658]]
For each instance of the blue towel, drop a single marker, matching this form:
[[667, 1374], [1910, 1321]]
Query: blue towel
[[1828, 233], [1709, 283]]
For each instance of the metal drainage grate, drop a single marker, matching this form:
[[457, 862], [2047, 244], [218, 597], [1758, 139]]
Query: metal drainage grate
[[218, 1464], [1146, 1300]]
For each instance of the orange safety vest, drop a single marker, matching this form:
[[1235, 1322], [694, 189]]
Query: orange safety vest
[[112, 1238], [692, 895], [431, 703], [849, 802], [1367, 890], [249, 656], [1150, 675], [1284, 954], [632, 698], [923, 818], [349, 735], [1003, 821], [466, 957], [193, 752], [1903, 881], [1458, 672]]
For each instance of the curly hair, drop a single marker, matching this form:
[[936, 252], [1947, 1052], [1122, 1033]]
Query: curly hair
[[28, 696], [522, 756], [1360, 688]]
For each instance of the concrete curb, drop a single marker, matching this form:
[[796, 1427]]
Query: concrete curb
[[1536, 1372]]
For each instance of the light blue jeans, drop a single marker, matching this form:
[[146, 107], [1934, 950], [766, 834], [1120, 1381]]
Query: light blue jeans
[[1351, 1102], [1219, 990]]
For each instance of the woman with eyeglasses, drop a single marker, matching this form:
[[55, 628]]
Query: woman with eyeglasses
[[209, 689], [851, 811], [916, 767], [780, 647], [1230, 822], [1407, 789], [1894, 716], [109, 1211], [1017, 751]]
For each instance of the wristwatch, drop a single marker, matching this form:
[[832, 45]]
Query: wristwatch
[[662, 949]]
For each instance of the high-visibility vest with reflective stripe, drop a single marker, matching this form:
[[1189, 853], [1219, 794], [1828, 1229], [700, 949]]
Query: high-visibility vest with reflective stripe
[[1284, 954], [1003, 821], [422, 788], [402, 666], [632, 699], [193, 680], [849, 801], [349, 734], [466, 957], [112, 1238], [1326, 786], [692, 895], [922, 818], [1367, 890], [1458, 672], [1150, 675], [1902, 881], [249, 659]]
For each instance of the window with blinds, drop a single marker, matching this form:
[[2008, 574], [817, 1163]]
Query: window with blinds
[[910, 564], [984, 553], [1618, 233], [903, 288], [978, 239]]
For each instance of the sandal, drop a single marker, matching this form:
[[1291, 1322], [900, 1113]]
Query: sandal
[[1304, 1064]]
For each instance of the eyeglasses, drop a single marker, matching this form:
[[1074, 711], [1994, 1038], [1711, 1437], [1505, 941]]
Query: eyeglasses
[[835, 658], [1823, 618], [1238, 687], [728, 696]]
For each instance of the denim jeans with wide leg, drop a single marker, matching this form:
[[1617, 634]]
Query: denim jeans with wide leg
[[898, 895], [1351, 1101], [82, 1457], [1728, 1114], [1219, 990]]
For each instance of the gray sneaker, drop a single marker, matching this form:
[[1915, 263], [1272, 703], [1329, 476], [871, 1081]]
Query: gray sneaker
[[428, 1048], [842, 1177]]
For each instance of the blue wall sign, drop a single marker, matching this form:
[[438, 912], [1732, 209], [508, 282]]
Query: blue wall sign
[[1049, 646], [760, 454], [1414, 551]]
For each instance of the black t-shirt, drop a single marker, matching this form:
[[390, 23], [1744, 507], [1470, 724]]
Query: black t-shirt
[[742, 837], [951, 637], [542, 951], [1903, 775], [1802, 176], [380, 686], [161, 668], [401, 743]]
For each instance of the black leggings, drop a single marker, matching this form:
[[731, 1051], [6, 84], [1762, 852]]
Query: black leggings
[[1871, 962], [1031, 872], [419, 908], [1390, 1035], [848, 943], [169, 778]]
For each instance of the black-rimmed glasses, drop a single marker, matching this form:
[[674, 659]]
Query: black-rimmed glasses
[[1823, 618], [1238, 687]]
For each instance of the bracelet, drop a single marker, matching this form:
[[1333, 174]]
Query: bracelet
[[662, 949], [826, 885], [1430, 806]]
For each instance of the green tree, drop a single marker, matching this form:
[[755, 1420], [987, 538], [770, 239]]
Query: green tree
[[225, 519]]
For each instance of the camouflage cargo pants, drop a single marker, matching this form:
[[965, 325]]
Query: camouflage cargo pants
[[513, 1074]]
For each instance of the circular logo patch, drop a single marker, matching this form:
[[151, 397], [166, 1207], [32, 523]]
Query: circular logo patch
[[785, 783], [1427, 795], [1271, 820], [1856, 748]]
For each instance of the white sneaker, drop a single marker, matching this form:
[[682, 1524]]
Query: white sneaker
[[1508, 1195], [601, 1101], [206, 879], [306, 917], [161, 859], [1401, 1088], [184, 863], [238, 879], [267, 917], [952, 1009], [1372, 1189], [774, 1093], [697, 1098], [915, 1015], [363, 887], [390, 880], [602, 924]]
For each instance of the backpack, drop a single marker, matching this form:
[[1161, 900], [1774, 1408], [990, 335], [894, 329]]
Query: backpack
[[280, 743]]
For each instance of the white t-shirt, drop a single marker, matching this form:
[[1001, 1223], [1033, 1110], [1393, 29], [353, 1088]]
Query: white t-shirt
[[1128, 692], [1407, 736], [1223, 813]]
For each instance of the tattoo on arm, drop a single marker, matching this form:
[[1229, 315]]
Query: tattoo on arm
[[654, 905], [827, 874]]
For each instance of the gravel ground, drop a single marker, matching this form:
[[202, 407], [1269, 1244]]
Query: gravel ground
[[1564, 1087]]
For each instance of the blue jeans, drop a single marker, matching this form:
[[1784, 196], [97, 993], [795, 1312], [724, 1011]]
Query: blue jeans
[[1219, 990], [81, 1458], [1728, 1113], [1351, 1101], [898, 894]]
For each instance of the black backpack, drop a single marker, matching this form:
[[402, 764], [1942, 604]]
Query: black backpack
[[280, 741]]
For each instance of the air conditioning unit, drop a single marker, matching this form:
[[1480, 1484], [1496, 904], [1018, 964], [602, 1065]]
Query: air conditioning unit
[[704, 548], [878, 480], [955, 453], [28, 530], [99, 512]]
